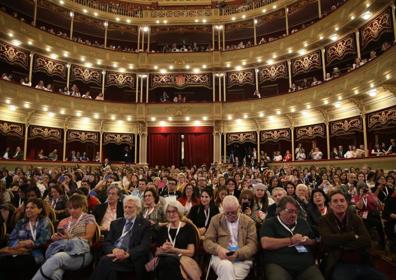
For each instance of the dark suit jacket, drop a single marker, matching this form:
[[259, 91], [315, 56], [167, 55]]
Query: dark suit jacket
[[140, 240], [197, 215], [100, 211]]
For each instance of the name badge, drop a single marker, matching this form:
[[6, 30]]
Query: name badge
[[301, 249]]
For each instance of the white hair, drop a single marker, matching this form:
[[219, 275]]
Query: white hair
[[135, 199], [303, 186], [278, 189], [230, 201], [175, 204], [259, 186]]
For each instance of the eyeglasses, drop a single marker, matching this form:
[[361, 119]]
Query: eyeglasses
[[231, 213], [171, 211], [291, 211], [148, 195]]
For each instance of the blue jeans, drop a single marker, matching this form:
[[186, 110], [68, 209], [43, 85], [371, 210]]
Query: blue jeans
[[344, 271], [55, 266]]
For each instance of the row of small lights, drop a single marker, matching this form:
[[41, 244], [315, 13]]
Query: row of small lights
[[333, 37]]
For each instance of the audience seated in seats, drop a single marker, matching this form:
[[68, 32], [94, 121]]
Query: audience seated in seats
[[170, 191], [189, 197], [53, 156], [176, 241], [127, 245], [277, 194], [87, 95], [317, 154], [153, 209], [392, 148], [48, 88], [287, 241], [18, 155], [346, 242], [41, 155], [109, 211], [164, 97], [300, 152], [57, 199], [139, 191], [231, 240], [7, 154], [317, 208], [261, 203], [277, 156], [25, 82], [100, 96], [26, 244], [74, 234], [40, 85]]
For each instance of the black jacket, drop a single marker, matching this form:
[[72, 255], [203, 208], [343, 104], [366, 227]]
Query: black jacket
[[100, 211], [197, 215]]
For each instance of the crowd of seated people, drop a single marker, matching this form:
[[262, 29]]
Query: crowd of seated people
[[304, 84], [52, 156], [185, 47], [283, 215], [81, 157], [15, 155], [383, 149]]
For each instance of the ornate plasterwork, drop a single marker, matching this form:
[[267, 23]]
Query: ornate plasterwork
[[275, 135], [120, 79], [373, 30], [243, 137], [382, 119], [12, 129], [45, 133], [310, 132], [82, 136], [273, 72], [13, 55], [306, 63], [118, 138], [50, 66], [346, 126], [241, 78], [180, 80], [86, 75], [340, 49]]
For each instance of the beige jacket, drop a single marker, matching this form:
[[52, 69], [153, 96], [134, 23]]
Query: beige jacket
[[218, 235]]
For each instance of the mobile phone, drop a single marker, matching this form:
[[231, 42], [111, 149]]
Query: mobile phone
[[230, 253]]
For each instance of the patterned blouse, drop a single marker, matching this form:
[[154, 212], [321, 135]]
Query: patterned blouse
[[78, 227]]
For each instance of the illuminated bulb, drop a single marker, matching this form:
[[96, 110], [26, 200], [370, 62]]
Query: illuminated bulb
[[372, 85], [130, 66], [243, 16], [82, 58], [96, 116], [238, 68], [162, 123], [48, 49], [95, 14], [228, 65], [205, 118], [308, 106], [264, 11], [187, 118], [8, 101], [61, 2], [366, 15], [373, 92], [321, 37], [78, 114], [305, 44], [88, 64], [117, 19], [45, 109], [62, 111], [113, 118], [270, 61], [196, 70], [229, 118], [71, 14], [196, 20], [245, 116], [163, 71], [170, 67], [204, 20], [10, 34], [153, 119], [12, 107], [337, 104], [157, 21], [128, 20], [16, 43], [339, 97], [388, 76], [170, 119], [336, 28], [65, 54], [197, 122], [356, 91], [292, 109], [233, 18], [145, 29], [26, 105], [243, 63], [187, 66], [334, 37], [51, 115], [289, 50], [204, 66], [302, 51], [261, 114], [165, 21], [352, 17], [325, 102], [85, 11], [274, 7], [255, 21], [30, 42], [106, 24], [278, 112], [259, 59], [129, 118]]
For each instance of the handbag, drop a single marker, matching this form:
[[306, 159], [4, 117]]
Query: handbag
[[152, 264]]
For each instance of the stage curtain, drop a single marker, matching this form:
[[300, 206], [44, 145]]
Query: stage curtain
[[164, 149], [198, 149]]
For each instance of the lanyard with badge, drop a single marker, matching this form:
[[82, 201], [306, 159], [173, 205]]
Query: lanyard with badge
[[148, 212], [207, 216], [173, 241], [69, 227], [33, 230], [299, 248], [365, 211]]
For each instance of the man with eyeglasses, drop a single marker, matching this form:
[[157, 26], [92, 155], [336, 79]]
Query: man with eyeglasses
[[170, 191], [231, 239], [287, 242]]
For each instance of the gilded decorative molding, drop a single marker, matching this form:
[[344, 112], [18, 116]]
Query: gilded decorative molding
[[181, 13], [45, 133], [13, 55], [240, 78], [373, 30], [306, 63], [86, 75], [310, 132], [273, 72], [82, 136], [180, 80], [275, 135], [340, 49], [120, 79], [118, 138], [243, 137], [346, 126], [12, 129], [382, 119], [50, 66], [178, 110]]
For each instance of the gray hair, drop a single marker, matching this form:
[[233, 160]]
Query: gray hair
[[285, 200], [302, 186], [175, 204], [135, 199], [230, 201], [278, 189], [259, 186], [115, 187]]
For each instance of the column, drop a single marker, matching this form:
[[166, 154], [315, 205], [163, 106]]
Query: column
[[25, 140], [64, 141], [135, 147], [31, 56], [68, 66], [141, 89], [394, 21], [292, 142], [287, 20], [323, 64], [101, 143], [142, 39], [366, 152], [34, 13], [319, 9], [138, 41], [148, 39], [256, 79], [255, 31], [147, 88], [213, 37], [71, 25], [223, 29], [258, 146], [137, 89], [106, 25], [359, 55], [220, 94], [328, 138], [290, 73], [218, 38], [213, 87], [224, 88], [225, 147], [103, 81], [143, 148]]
